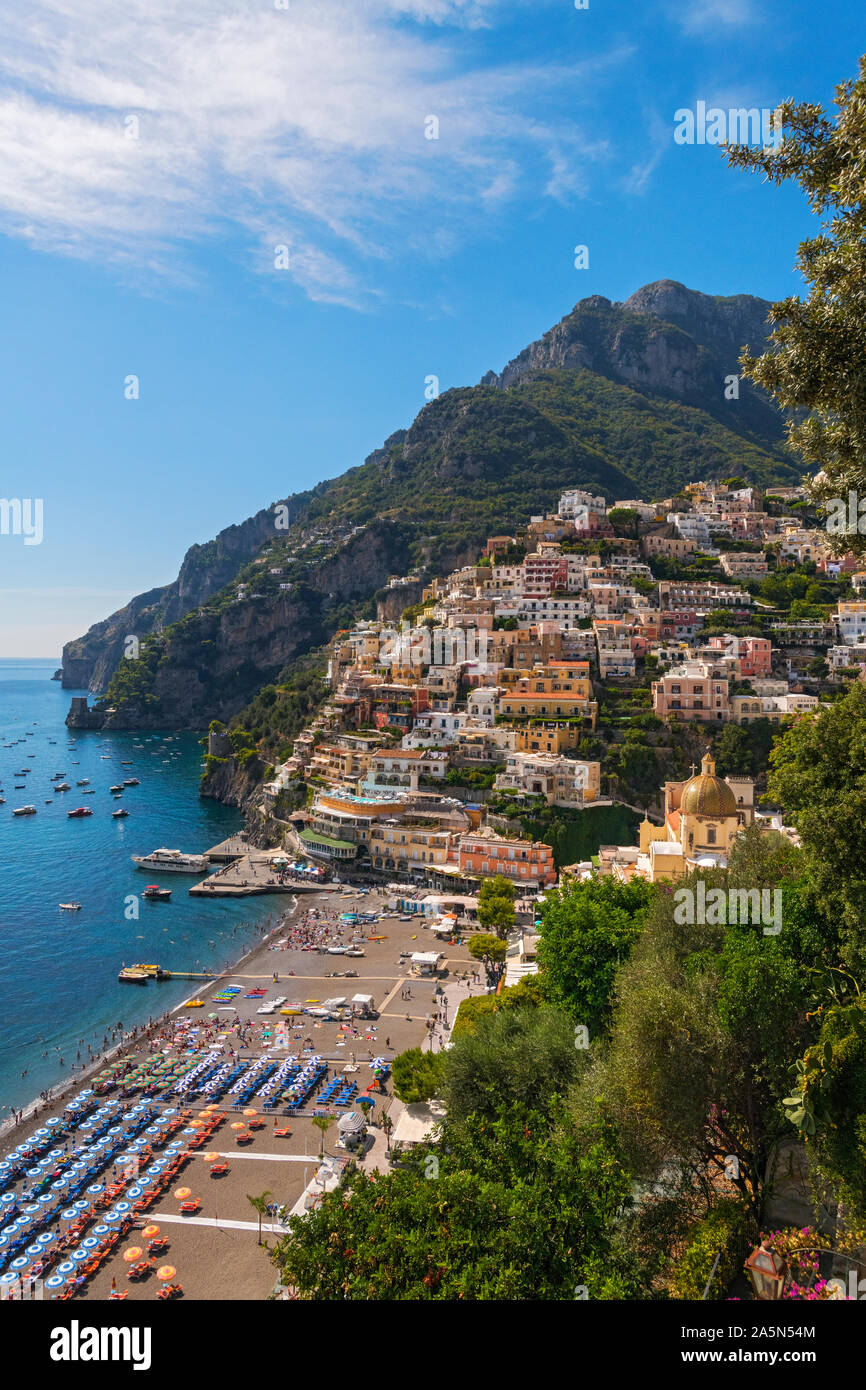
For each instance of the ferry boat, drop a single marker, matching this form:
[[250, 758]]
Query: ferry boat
[[172, 861], [24, 811], [80, 811], [129, 975], [117, 815], [153, 890]]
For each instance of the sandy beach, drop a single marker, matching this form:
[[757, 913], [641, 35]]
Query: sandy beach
[[215, 1250]]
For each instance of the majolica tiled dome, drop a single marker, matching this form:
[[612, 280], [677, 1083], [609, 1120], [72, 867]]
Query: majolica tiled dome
[[707, 794]]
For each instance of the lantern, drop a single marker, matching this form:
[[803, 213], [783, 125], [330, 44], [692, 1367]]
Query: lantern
[[767, 1271]]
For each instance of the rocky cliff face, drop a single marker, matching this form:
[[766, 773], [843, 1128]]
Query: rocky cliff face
[[664, 338], [212, 663], [89, 661]]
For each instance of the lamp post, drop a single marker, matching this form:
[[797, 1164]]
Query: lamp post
[[768, 1272]]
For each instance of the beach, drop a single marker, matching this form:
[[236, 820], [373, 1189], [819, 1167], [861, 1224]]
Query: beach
[[215, 1249]]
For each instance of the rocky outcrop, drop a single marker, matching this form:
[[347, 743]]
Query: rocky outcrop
[[664, 338]]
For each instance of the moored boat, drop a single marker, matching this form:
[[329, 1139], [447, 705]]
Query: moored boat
[[172, 861], [69, 907], [80, 811], [117, 815], [24, 811], [129, 975], [154, 891]]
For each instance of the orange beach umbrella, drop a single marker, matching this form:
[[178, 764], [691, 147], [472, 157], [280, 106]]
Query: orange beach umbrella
[[251, 1110], [133, 1253], [150, 1231], [238, 1124], [211, 1157], [166, 1272], [181, 1193]]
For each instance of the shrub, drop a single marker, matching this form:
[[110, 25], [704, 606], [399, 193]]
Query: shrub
[[722, 1230]]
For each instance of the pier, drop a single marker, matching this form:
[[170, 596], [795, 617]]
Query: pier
[[247, 872]]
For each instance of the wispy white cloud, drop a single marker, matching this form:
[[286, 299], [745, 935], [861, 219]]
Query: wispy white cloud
[[134, 132], [713, 16]]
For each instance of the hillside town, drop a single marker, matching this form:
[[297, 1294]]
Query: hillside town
[[489, 686]]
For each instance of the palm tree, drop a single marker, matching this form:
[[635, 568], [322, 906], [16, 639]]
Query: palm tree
[[366, 1106], [323, 1122], [260, 1204], [387, 1125]]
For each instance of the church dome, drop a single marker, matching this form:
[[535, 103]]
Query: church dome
[[707, 794]]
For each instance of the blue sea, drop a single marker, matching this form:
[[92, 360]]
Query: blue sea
[[58, 970]]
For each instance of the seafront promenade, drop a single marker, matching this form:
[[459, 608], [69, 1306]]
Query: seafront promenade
[[175, 1069]]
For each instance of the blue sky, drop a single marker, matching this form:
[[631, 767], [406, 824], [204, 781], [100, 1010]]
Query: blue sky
[[154, 154]]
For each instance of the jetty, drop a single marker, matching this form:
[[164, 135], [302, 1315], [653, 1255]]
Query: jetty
[[247, 872]]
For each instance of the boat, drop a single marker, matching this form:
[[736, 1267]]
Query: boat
[[172, 861], [154, 891], [130, 976], [88, 791], [80, 811], [117, 815], [194, 1004], [353, 951], [153, 972], [63, 787], [24, 811], [131, 782], [115, 789], [69, 907], [83, 782]]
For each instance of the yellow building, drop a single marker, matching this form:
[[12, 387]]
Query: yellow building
[[701, 822]]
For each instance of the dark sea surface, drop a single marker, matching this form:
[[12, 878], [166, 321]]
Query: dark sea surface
[[58, 970]]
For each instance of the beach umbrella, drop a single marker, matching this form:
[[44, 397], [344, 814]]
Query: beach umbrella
[[55, 1153], [113, 1216], [32, 1210], [20, 1263], [211, 1157], [9, 1277], [34, 1250], [121, 1207], [45, 1200], [251, 1110], [9, 1198], [81, 1205], [90, 1243], [181, 1193], [79, 1255], [100, 1230], [238, 1124], [132, 1254], [55, 1281], [41, 1133], [69, 1214], [52, 1122], [150, 1231], [134, 1191], [96, 1188], [34, 1172], [67, 1267], [45, 1163], [166, 1272]]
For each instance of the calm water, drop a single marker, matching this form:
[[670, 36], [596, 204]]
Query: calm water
[[58, 970]]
